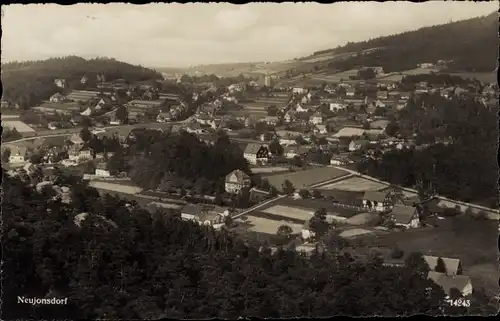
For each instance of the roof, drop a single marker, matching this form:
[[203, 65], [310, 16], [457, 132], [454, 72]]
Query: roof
[[240, 176], [403, 214], [18, 151], [252, 148], [375, 196], [448, 282], [76, 139], [379, 123], [297, 149], [452, 265]]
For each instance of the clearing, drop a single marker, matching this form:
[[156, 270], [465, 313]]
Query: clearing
[[274, 169], [305, 178], [355, 184], [264, 225], [18, 125], [116, 187]]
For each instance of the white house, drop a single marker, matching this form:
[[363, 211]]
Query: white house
[[256, 154], [337, 105], [378, 201], [299, 90], [102, 170], [18, 155], [316, 118], [213, 216], [236, 181], [307, 233], [56, 98], [358, 144]]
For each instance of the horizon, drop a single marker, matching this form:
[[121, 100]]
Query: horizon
[[176, 34]]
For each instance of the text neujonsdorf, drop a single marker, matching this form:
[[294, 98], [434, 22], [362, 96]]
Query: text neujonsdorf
[[36, 301]]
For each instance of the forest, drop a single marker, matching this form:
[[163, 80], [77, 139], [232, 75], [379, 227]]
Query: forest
[[29, 83], [466, 169], [122, 262], [472, 45], [152, 161]]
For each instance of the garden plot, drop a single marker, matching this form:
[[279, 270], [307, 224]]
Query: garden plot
[[264, 225], [116, 187], [288, 211], [355, 184], [18, 125]]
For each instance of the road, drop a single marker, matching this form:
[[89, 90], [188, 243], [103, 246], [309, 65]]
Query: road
[[253, 208], [67, 132]]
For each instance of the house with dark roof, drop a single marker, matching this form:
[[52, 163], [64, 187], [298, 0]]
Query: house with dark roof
[[358, 144], [405, 216], [236, 181], [205, 215], [462, 283], [256, 154], [452, 266], [296, 151], [377, 201]]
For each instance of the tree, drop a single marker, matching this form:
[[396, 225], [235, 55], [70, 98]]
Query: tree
[[318, 223], [415, 261], [316, 193], [304, 193], [275, 148], [285, 231], [36, 158], [121, 114], [440, 266], [397, 253], [5, 155], [85, 134], [288, 187], [392, 128], [272, 110], [264, 184], [273, 192]]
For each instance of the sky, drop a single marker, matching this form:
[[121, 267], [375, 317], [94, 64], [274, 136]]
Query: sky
[[169, 35]]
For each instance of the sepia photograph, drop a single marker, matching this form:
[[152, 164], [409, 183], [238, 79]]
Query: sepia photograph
[[269, 160]]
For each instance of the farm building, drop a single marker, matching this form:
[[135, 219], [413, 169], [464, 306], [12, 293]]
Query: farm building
[[82, 95]]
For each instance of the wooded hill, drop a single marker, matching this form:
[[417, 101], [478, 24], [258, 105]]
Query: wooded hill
[[29, 83], [472, 45]]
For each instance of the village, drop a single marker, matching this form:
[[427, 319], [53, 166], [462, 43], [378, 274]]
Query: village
[[303, 141]]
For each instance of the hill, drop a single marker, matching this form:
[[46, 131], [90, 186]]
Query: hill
[[471, 45], [28, 83]]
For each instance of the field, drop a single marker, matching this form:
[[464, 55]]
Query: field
[[486, 77], [18, 125], [420, 71], [116, 187], [473, 242], [391, 78], [288, 211], [267, 226], [336, 77], [354, 232], [9, 117], [274, 169], [355, 184], [305, 178]]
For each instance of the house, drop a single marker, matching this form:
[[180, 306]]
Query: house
[[307, 233], [213, 216], [236, 181], [339, 160], [405, 216], [56, 98], [382, 94], [337, 105], [301, 109], [18, 154], [256, 154], [289, 116], [320, 129], [358, 144], [163, 117], [293, 151], [350, 92], [59, 82], [452, 266], [102, 170], [316, 118], [78, 153], [271, 120], [377, 201], [76, 139], [52, 125], [299, 90], [462, 283]]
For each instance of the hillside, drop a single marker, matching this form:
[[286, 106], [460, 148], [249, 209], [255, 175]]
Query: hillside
[[471, 44], [28, 83]]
